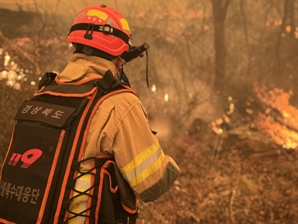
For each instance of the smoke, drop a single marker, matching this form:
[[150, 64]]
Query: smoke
[[163, 126]]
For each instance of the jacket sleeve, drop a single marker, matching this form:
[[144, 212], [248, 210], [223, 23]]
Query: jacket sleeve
[[140, 158]]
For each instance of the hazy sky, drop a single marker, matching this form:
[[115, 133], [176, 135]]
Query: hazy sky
[[74, 4]]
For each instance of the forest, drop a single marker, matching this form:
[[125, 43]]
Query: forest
[[222, 96]]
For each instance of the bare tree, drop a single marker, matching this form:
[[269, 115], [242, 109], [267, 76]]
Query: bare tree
[[220, 9]]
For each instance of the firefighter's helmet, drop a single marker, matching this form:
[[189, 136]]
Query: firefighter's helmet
[[101, 27]]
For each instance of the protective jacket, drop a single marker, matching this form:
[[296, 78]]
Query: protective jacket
[[120, 128]]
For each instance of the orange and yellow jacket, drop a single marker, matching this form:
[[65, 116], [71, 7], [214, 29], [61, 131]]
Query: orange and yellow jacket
[[120, 127]]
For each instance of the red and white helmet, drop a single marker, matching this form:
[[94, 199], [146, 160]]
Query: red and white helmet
[[101, 27]]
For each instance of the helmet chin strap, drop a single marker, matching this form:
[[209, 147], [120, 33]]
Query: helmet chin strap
[[123, 77]]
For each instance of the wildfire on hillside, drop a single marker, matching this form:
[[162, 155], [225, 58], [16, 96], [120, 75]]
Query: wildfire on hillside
[[280, 118], [271, 113]]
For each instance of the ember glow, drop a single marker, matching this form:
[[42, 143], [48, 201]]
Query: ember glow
[[280, 119]]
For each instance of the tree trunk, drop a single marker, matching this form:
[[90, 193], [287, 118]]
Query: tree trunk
[[220, 8]]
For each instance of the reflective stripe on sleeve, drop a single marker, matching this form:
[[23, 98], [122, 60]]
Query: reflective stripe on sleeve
[[146, 163]]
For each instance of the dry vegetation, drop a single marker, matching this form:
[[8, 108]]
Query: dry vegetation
[[239, 176]]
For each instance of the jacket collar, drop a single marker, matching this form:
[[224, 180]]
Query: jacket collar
[[81, 66]]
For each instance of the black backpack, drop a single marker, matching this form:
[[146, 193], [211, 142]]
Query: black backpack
[[42, 163]]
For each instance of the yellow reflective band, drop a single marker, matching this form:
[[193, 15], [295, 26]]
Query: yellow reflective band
[[98, 14], [140, 158], [124, 24], [147, 172]]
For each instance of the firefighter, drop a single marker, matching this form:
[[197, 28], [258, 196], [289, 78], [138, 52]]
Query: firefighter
[[101, 36]]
